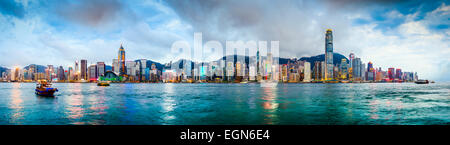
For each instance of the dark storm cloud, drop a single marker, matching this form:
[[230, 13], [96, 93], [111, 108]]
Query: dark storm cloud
[[94, 13], [295, 23], [10, 7]]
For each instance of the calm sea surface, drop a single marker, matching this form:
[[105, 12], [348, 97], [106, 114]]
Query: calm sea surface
[[223, 104]]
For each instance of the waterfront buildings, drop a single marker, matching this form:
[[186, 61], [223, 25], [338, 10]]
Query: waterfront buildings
[[254, 68]]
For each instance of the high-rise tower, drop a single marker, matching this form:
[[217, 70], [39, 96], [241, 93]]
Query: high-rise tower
[[329, 55], [84, 69], [123, 69]]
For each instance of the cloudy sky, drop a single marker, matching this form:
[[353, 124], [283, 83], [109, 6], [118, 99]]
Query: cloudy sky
[[412, 35]]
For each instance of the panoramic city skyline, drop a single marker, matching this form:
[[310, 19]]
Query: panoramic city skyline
[[410, 35]]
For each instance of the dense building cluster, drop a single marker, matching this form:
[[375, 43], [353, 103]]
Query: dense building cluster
[[267, 67]]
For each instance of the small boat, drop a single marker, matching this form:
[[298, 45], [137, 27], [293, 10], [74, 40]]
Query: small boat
[[344, 81], [421, 82], [331, 81], [43, 88], [103, 83]]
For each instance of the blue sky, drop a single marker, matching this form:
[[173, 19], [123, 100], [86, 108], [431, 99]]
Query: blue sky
[[412, 35]]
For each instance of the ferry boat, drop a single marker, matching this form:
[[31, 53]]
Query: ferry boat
[[421, 82], [331, 81], [103, 83], [43, 88], [344, 81]]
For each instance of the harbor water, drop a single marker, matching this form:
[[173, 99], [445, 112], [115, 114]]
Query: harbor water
[[227, 104]]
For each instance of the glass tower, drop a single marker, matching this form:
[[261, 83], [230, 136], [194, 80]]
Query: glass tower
[[329, 55], [123, 69]]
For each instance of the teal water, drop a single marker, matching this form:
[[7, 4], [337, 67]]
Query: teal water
[[227, 104]]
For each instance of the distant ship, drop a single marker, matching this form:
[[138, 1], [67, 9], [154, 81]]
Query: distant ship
[[421, 82], [43, 88]]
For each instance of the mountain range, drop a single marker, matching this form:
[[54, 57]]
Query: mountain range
[[336, 61]]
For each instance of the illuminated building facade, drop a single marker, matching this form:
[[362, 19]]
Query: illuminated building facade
[[122, 68], [329, 55]]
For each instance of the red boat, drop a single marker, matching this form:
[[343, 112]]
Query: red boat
[[45, 89]]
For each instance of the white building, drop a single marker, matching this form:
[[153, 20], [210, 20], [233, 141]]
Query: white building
[[116, 66], [131, 68], [307, 72]]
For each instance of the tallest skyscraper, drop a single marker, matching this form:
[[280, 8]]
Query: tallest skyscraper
[[122, 68], [329, 55]]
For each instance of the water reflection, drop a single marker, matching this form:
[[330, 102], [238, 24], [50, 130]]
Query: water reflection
[[289, 104], [16, 104], [97, 104], [75, 104], [270, 104], [168, 103]]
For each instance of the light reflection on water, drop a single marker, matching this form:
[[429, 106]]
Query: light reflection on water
[[270, 105], [227, 104], [16, 104], [75, 104], [168, 103]]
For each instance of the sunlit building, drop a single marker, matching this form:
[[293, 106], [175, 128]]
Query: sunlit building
[[121, 58], [344, 69], [329, 55], [307, 72], [115, 66]]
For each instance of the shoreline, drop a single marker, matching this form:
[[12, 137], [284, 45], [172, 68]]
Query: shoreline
[[220, 82]]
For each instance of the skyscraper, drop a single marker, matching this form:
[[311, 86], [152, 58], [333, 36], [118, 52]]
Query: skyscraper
[[344, 69], [398, 73], [307, 72], [101, 68], [115, 66], [77, 71], [356, 69], [93, 72], [351, 57], [317, 71], [61, 76], [123, 69], [83, 70], [70, 73], [391, 73], [329, 55]]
